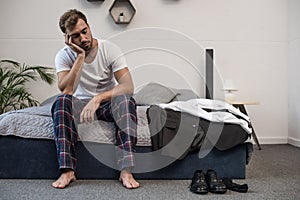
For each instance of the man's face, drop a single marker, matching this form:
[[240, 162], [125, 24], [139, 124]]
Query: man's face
[[81, 35]]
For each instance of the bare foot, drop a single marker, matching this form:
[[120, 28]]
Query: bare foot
[[128, 181], [64, 180]]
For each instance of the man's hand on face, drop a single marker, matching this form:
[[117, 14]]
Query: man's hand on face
[[74, 47]]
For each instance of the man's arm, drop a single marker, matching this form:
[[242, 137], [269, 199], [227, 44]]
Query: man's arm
[[125, 86], [68, 80]]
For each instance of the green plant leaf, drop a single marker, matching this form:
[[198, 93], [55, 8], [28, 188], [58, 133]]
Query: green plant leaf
[[13, 78]]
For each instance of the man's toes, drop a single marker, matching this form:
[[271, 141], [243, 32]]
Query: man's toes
[[135, 184], [63, 182], [62, 185], [55, 184], [130, 183], [58, 184]]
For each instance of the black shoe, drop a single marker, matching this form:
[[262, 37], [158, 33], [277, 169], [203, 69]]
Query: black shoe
[[215, 185], [234, 186], [198, 184]]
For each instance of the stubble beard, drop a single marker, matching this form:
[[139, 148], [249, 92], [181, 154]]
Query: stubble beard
[[90, 47]]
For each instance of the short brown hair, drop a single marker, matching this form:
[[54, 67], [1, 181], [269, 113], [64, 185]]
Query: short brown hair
[[70, 18]]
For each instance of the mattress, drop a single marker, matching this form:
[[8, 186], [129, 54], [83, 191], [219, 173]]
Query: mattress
[[36, 123]]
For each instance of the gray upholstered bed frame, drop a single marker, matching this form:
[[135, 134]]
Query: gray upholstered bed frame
[[36, 159]]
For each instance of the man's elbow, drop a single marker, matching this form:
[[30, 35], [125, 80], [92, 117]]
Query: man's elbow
[[66, 91], [69, 92], [130, 90]]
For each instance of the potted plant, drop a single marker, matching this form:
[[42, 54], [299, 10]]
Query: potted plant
[[13, 79]]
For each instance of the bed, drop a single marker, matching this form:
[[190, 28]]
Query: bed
[[27, 148]]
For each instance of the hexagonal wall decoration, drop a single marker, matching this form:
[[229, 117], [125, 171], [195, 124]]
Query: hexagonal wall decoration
[[122, 11]]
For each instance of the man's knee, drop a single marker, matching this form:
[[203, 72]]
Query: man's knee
[[125, 99], [125, 104], [62, 99]]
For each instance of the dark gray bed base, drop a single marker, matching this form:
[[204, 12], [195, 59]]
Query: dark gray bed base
[[36, 159]]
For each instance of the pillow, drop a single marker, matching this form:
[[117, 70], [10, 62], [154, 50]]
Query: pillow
[[154, 93], [185, 95]]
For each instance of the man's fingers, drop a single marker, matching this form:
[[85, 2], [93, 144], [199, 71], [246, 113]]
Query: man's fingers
[[66, 39], [91, 115], [86, 116], [70, 40], [81, 117]]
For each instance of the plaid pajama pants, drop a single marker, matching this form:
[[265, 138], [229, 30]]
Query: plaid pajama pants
[[121, 110]]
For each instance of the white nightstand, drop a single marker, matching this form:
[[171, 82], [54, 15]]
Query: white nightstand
[[241, 105]]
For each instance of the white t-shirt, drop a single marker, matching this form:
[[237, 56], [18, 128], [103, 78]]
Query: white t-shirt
[[98, 76]]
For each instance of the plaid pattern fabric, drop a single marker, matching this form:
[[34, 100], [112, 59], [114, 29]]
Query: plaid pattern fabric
[[121, 110]]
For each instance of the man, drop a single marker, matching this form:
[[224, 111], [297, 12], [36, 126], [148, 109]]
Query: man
[[95, 83]]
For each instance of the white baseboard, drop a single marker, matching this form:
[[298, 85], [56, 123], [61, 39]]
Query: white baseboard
[[270, 140], [294, 141], [279, 140]]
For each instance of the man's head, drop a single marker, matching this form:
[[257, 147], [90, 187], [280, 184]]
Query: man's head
[[74, 24], [70, 18]]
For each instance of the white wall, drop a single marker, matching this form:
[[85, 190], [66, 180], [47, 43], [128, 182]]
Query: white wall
[[249, 38], [293, 73]]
